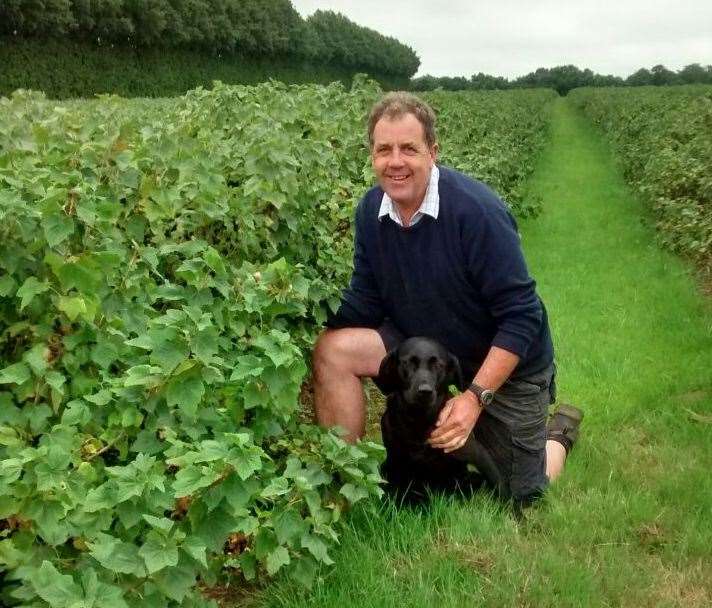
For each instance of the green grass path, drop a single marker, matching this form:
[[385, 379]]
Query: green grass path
[[630, 522]]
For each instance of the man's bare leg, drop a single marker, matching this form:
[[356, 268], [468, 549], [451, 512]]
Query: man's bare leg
[[340, 359], [555, 459]]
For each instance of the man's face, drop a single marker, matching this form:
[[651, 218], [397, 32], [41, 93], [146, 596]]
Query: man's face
[[402, 159]]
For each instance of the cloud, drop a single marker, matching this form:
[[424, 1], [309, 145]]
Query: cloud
[[514, 37]]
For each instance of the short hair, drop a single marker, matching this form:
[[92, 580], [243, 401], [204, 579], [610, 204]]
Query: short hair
[[399, 103]]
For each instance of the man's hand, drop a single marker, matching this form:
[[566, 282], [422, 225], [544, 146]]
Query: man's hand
[[455, 422]]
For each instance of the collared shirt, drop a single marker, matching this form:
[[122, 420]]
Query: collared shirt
[[430, 205]]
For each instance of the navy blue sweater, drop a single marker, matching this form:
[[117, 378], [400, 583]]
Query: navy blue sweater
[[460, 279]]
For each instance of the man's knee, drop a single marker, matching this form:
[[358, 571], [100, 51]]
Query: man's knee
[[355, 351], [327, 353]]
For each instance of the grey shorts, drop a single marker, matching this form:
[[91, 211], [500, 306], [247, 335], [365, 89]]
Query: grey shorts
[[512, 429]]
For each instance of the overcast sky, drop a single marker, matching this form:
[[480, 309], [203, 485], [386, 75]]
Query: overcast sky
[[514, 37]]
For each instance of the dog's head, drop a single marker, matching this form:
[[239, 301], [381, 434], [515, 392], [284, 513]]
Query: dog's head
[[420, 369]]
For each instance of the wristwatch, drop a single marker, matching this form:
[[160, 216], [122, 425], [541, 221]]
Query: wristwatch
[[484, 395]]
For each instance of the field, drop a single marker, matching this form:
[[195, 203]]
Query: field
[[165, 266]]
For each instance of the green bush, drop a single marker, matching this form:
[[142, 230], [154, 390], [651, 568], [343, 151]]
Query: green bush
[[662, 136], [165, 267], [495, 136]]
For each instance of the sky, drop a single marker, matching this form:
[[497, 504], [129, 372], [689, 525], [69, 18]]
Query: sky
[[514, 37]]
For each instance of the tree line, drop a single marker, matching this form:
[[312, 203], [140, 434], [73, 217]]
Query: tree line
[[256, 28], [567, 77]]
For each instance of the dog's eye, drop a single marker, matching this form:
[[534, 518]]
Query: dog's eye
[[414, 361], [433, 362]]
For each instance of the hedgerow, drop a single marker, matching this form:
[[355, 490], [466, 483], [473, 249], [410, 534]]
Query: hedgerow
[[166, 267], [662, 136], [494, 135], [238, 28]]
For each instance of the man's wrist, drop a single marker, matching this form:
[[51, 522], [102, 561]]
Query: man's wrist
[[484, 396], [472, 398]]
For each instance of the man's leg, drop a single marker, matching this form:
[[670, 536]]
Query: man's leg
[[555, 459], [340, 359], [562, 432]]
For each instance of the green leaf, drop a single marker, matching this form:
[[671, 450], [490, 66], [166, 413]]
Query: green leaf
[[72, 307], [353, 493], [176, 583], [142, 375], [168, 354], [56, 381], [158, 552], [205, 344], [317, 548], [7, 286], [276, 487], [196, 549], [16, 373], [31, 288], [289, 526], [304, 571], [37, 358], [103, 397], [98, 594], [162, 524], [116, 555], [275, 560], [186, 392], [247, 365], [102, 497], [52, 525], [104, 352], [76, 412], [83, 274], [57, 227], [59, 590], [192, 478], [214, 261], [265, 543], [248, 565]]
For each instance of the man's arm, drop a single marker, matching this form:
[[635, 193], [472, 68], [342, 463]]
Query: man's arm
[[460, 414], [496, 263]]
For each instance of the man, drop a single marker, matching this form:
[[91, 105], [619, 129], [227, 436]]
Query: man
[[437, 254]]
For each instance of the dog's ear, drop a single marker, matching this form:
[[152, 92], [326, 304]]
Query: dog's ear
[[454, 371], [388, 379]]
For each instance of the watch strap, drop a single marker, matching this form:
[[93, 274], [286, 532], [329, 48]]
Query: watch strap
[[484, 396]]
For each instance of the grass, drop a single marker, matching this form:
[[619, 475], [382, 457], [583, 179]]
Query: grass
[[630, 521]]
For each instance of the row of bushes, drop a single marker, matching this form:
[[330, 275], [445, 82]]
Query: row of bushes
[[165, 266], [662, 136], [565, 78], [243, 27]]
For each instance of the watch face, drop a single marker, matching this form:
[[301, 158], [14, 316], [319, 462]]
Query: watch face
[[487, 397]]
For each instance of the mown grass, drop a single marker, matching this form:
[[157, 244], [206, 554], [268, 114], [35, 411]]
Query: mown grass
[[630, 521]]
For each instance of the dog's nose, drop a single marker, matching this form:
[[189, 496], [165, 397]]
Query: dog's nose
[[425, 389]]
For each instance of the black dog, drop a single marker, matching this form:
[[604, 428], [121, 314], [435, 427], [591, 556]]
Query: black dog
[[415, 376]]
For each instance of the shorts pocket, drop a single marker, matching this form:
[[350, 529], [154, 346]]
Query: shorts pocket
[[528, 461]]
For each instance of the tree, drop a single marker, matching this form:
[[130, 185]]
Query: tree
[[694, 73], [640, 78], [662, 76]]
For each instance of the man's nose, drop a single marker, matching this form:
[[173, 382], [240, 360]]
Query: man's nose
[[396, 158]]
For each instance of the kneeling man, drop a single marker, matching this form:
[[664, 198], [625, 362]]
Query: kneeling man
[[437, 254]]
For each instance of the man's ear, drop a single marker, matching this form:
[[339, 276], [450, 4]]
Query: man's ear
[[454, 371], [388, 379]]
